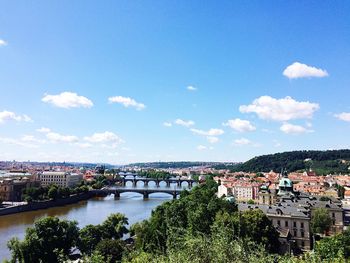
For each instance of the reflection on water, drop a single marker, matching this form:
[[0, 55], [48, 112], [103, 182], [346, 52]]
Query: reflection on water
[[92, 211]]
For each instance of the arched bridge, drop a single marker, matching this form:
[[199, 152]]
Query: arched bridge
[[144, 192], [135, 180]]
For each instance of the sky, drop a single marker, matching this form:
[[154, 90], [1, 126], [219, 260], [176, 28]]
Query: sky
[[139, 81]]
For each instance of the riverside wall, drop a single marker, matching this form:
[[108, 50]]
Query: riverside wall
[[46, 204]]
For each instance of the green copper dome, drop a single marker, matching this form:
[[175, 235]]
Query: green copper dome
[[285, 182]]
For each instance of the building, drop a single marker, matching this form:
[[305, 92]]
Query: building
[[291, 222], [61, 179], [267, 195], [12, 189], [240, 190]]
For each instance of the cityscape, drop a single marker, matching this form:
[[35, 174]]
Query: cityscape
[[174, 132]]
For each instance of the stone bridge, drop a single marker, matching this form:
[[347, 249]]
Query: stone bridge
[[144, 192], [135, 180]]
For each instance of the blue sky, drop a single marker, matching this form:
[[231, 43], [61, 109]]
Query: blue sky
[[127, 81]]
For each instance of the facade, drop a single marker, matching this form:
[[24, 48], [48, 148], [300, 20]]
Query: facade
[[11, 189], [291, 221], [291, 213], [241, 191], [267, 196], [61, 179]]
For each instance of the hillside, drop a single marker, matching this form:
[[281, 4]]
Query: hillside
[[322, 162], [177, 165]]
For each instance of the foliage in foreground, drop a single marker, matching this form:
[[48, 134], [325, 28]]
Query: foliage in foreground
[[198, 227], [52, 240]]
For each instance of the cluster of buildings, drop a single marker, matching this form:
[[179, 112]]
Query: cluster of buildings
[[288, 202], [15, 179]]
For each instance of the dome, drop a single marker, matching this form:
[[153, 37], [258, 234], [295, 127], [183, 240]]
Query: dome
[[230, 199], [285, 182]]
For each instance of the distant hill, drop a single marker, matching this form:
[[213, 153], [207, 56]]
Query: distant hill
[[322, 162], [178, 165]]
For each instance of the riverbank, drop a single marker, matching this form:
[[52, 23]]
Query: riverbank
[[47, 204], [92, 211]]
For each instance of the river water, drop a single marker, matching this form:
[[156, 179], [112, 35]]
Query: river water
[[92, 211]]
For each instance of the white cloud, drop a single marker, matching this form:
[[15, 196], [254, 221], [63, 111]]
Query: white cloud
[[3, 43], [212, 139], [191, 88], [240, 125], [242, 141], [127, 102], [202, 148], [31, 138], [43, 130], [293, 129], [184, 123], [84, 145], [167, 124], [344, 116], [9, 115], [109, 139], [210, 132], [299, 70], [284, 109], [277, 143], [17, 142], [68, 100], [56, 137]]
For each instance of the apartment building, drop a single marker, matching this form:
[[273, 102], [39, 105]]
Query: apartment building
[[62, 179]]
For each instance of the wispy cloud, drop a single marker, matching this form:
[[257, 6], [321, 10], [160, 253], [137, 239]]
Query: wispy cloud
[[68, 100], [240, 125], [167, 124], [212, 139], [294, 129], [127, 102], [109, 139], [184, 123], [344, 116], [191, 88], [3, 43], [284, 109], [56, 137], [11, 116], [210, 132], [299, 70]]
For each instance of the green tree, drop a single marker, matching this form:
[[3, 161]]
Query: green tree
[[49, 240], [53, 192], [320, 221], [89, 237], [110, 249], [114, 227]]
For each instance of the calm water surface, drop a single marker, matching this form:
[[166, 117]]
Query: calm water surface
[[92, 211]]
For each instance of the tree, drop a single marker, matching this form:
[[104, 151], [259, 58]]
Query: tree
[[49, 239], [53, 192], [89, 237], [320, 221], [110, 249], [114, 227]]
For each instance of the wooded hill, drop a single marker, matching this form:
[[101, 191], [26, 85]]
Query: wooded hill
[[322, 162]]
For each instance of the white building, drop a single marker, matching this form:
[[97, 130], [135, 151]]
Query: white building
[[241, 191], [61, 179]]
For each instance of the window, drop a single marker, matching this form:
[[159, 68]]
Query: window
[[333, 215], [278, 222], [302, 244], [301, 225], [294, 224], [295, 233], [286, 223], [302, 233]]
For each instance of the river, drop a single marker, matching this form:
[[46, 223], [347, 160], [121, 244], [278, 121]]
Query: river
[[92, 211]]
